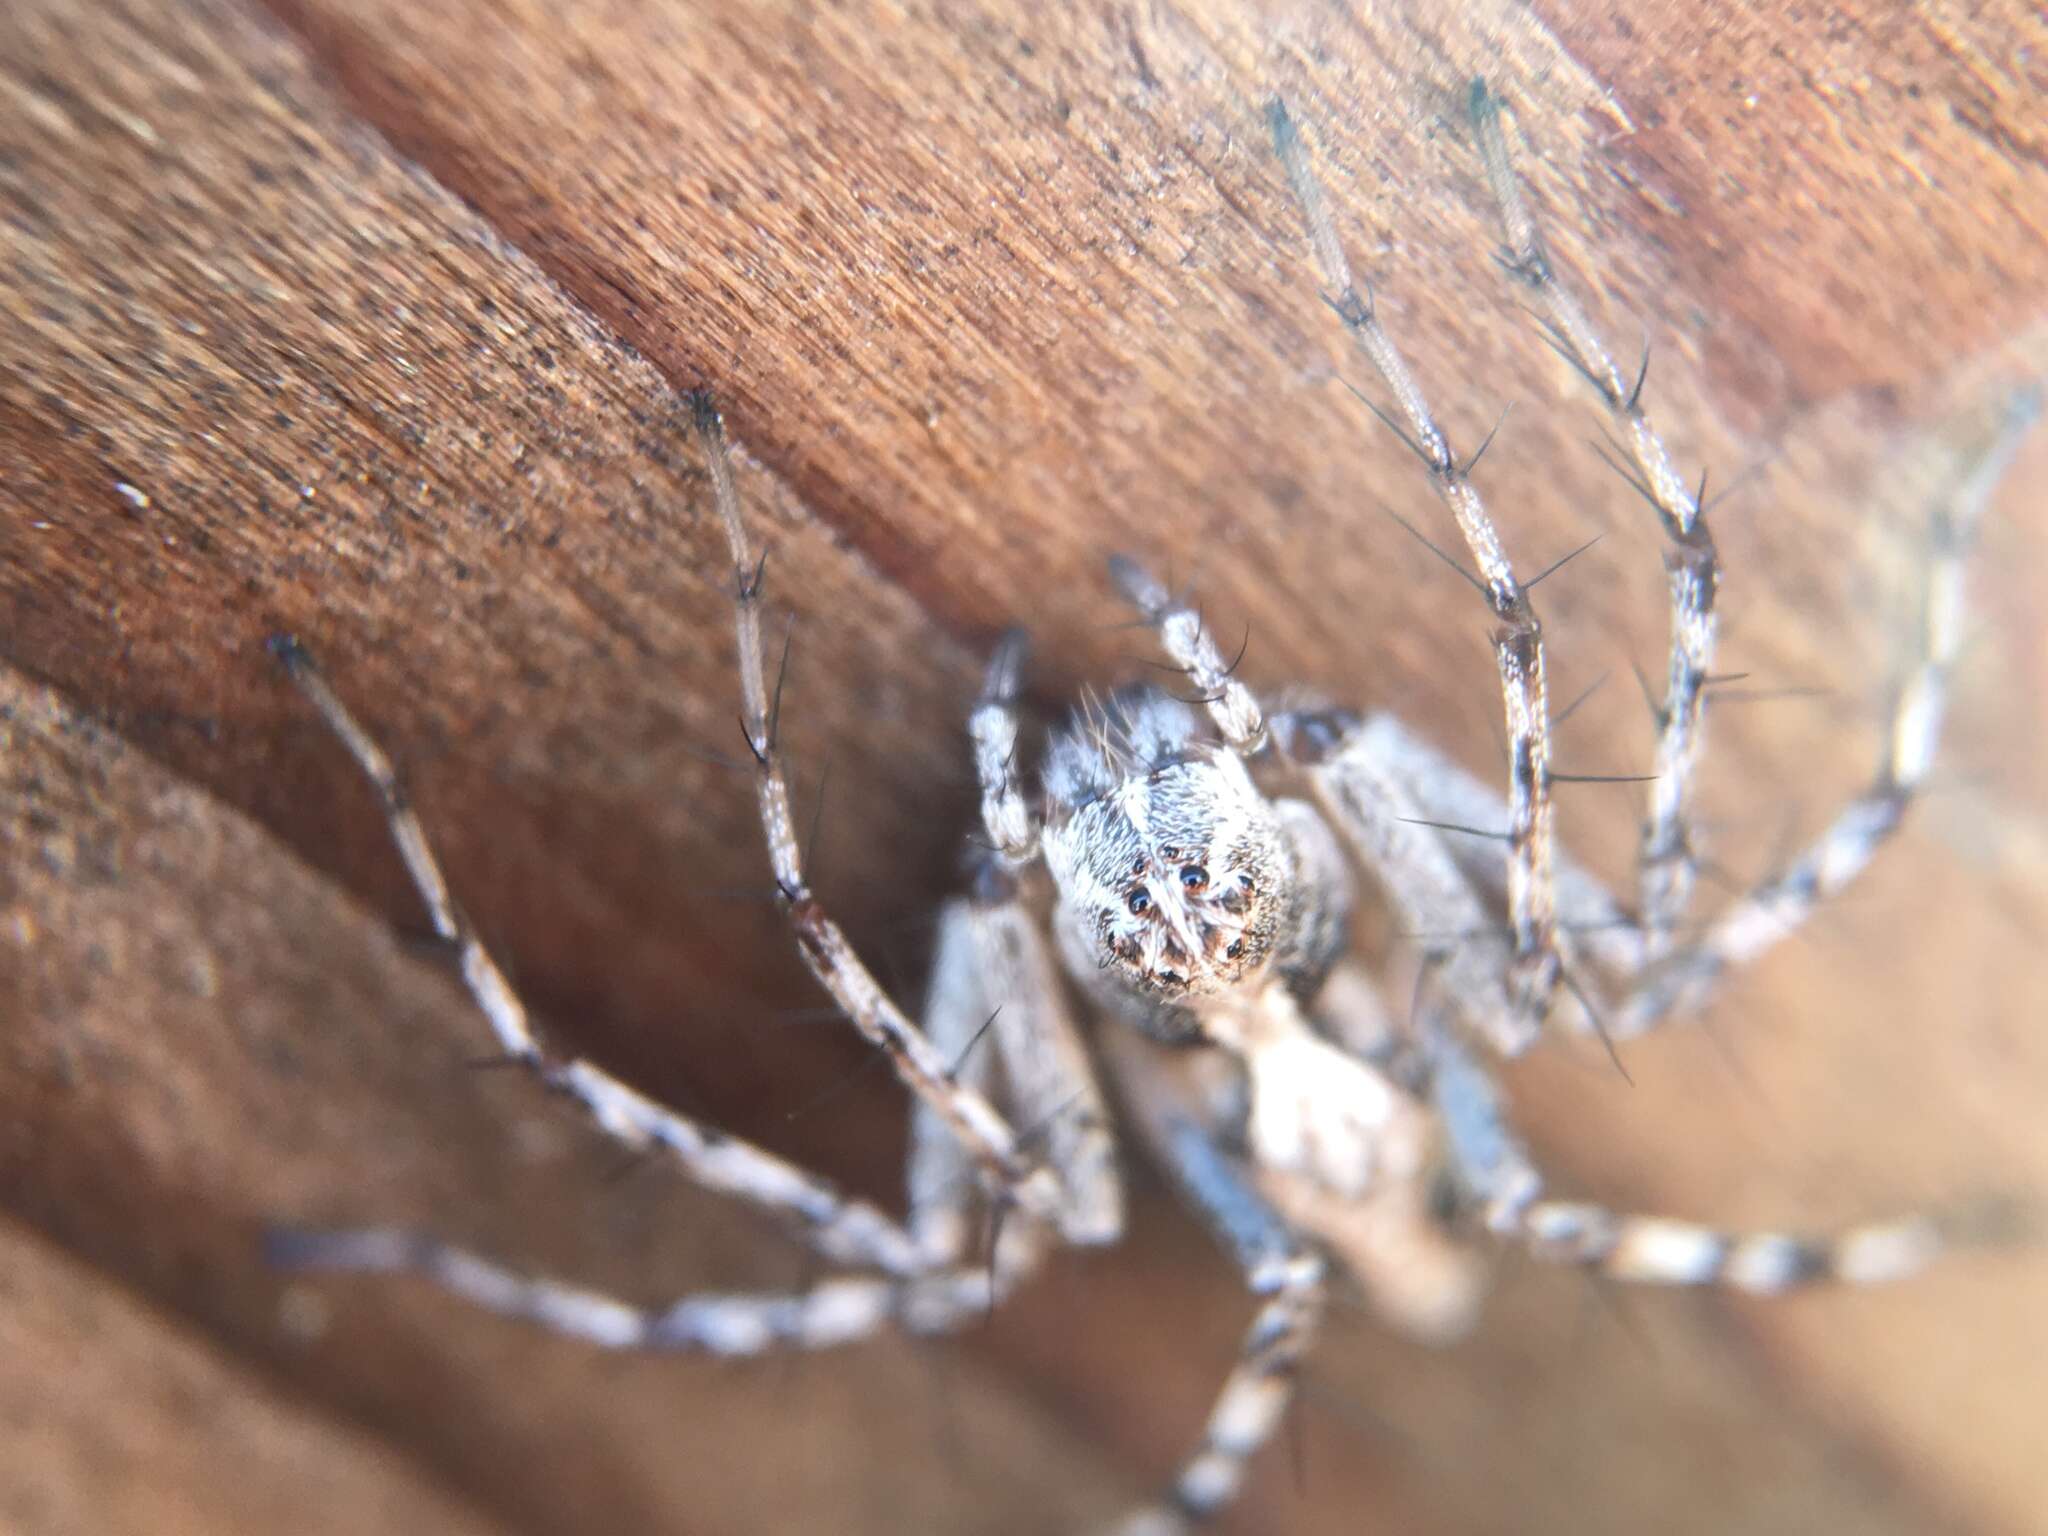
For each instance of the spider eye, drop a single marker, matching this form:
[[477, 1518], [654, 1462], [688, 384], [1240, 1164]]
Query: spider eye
[[1233, 949], [1193, 877], [1140, 901]]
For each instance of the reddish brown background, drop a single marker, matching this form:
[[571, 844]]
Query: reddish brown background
[[382, 312]]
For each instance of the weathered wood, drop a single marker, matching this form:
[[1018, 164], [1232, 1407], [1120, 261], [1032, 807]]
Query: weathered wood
[[117, 1418], [985, 300]]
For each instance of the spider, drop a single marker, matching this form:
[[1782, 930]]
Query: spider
[[1186, 867]]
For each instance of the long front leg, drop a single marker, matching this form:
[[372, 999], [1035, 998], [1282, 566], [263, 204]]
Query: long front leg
[[1537, 964], [1469, 815], [1667, 864]]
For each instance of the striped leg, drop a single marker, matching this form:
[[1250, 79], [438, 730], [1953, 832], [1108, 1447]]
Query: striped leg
[[836, 1311], [921, 1068], [1005, 814], [842, 1229], [1537, 964], [1429, 833], [1679, 982], [1666, 865], [1289, 1276], [1494, 1170], [1286, 1274], [1187, 641], [1780, 905], [1655, 1250]]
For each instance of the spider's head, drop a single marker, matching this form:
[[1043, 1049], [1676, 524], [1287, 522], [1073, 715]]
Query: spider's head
[[1177, 877]]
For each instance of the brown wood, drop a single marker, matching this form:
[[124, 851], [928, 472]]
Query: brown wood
[[379, 314]]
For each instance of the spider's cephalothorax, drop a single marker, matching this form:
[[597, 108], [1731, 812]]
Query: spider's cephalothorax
[[1177, 880], [1205, 922]]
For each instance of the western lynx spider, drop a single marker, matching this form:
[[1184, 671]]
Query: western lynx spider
[[1205, 919]]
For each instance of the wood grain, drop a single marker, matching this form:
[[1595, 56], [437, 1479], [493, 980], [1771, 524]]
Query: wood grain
[[369, 322]]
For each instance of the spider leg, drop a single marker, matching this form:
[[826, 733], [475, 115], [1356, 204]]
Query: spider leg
[[834, 1311], [1005, 814], [1380, 817], [1281, 1269], [1486, 1159], [841, 1228], [991, 972], [1495, 1173], [1492, 1166], [918, 1289], [959, 1009], [1656, 1250], [921, 1068], [1666, 866], [1188, 642], [1777, 907], [1538, 962], [1429, 831]]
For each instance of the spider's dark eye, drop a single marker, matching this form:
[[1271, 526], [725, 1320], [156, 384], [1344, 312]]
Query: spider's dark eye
[[1140, 902], [1193, 877], [1234, 949]]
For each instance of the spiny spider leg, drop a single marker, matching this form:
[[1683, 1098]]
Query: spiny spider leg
[[1184, 637], [842, 1229], [1838, 855], [1538, 962], [824, 947], [1382, 751], [1666, 865], [1280, 1267], [923, 1288], [839, 1310]]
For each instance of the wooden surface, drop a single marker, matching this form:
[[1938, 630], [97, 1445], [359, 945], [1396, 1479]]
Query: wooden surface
[[369, 320]]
